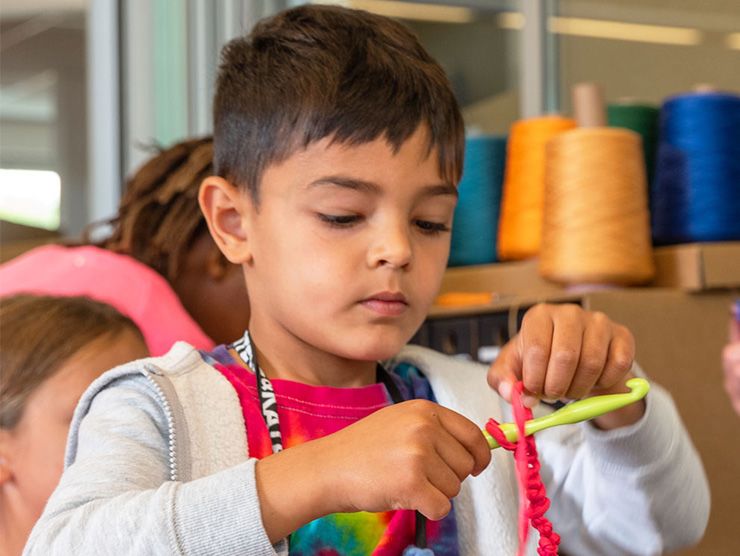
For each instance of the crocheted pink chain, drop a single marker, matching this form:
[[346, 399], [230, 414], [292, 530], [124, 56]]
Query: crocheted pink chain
[[533, 501]]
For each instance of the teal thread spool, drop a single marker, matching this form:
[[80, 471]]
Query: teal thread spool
[[475, 227], [643, 119]]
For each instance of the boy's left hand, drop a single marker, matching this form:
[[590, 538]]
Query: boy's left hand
[[565, 352]]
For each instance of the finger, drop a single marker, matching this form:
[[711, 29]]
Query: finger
[[731, 366], [469, 436], [735, 329], [735, 323], [443, 477], [432, 503], [536, 341], [731, 355], [565, 353], [454, 454], [594, 351], [506, 369], [620, 359]]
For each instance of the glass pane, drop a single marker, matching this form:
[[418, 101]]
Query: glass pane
[[648, 49], [43, 116], [30, 197]]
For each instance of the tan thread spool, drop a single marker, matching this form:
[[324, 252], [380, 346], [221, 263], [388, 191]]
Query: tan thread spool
[[520, 219], [596, 226], [588, 105]]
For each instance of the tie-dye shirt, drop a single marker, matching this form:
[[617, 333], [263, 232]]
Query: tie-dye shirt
[[310, 412]]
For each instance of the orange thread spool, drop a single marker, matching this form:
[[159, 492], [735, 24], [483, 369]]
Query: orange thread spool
[[520, 220], [596, 224]]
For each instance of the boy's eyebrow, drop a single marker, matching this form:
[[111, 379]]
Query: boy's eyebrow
[[439, 189], [370, 187]]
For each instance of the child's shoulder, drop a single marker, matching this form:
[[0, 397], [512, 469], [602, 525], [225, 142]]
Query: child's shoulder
[[182, 358], [177, 392], [182, 375]]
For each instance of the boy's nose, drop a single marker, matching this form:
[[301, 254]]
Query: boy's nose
[[392, 248]]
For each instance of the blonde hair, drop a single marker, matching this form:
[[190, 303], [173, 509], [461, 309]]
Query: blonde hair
[[38, 334]]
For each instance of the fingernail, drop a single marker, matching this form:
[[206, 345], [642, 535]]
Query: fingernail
[[504, 390], [530, 401]]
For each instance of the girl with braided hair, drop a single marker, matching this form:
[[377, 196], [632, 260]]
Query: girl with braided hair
[[159, 266]]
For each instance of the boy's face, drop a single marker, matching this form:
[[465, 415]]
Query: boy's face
[[348, 245]]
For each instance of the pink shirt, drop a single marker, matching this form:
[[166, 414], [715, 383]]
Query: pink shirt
[[133, 288], [309, 412]]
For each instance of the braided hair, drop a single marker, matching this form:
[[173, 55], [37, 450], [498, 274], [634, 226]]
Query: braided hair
[[159, 218]]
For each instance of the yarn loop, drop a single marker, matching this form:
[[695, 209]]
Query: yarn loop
[[533, 501]]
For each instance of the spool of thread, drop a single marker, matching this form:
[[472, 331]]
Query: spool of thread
[[588, 104], [476, 215], [640, 118], [596, 223], [696, 190], [520, 223]]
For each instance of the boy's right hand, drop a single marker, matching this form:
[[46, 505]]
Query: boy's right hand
[[412, 455]]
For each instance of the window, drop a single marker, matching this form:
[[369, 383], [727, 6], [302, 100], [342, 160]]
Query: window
[[43, 115]]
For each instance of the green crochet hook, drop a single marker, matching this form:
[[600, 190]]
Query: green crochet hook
[[576, 412]]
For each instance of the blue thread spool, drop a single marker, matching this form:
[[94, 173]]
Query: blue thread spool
[[475, 225], [696, 192]]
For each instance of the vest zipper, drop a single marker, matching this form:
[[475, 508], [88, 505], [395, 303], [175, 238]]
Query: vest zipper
[[171, 435]]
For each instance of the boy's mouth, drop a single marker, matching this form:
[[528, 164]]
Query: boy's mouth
[[387, 304]]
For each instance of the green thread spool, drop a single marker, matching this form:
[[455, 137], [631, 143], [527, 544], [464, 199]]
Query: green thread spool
[[643, 119]]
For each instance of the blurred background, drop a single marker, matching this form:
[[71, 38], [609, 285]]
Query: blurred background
[[89, 87]]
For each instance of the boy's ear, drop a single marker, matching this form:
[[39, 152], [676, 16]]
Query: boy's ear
[[226, 210]]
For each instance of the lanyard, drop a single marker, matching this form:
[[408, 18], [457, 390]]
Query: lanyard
[[268, 403], [268, 406]]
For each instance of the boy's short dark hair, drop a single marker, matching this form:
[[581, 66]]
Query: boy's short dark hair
[[324, 71]]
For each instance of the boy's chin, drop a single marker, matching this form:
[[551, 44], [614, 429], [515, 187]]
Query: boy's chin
[[376, 351], [369, 343]]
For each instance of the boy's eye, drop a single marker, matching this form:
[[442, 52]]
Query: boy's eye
[[339, 220], [431, 227]]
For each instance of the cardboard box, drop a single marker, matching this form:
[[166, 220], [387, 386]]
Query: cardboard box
[[698, 266], [691, 267], [510, 278]]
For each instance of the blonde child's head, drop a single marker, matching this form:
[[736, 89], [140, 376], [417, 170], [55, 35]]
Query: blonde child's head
[[338, 147], [51, 349]]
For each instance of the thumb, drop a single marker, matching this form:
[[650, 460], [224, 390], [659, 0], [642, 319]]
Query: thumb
[[735, 322], [506, 369]]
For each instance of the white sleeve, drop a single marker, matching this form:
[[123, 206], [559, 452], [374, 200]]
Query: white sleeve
[[636, 490], [116, 497]]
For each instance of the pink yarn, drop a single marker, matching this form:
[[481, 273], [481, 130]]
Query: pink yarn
[[533, 501]]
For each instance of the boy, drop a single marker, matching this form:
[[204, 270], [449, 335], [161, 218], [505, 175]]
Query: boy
[[338, 145]]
